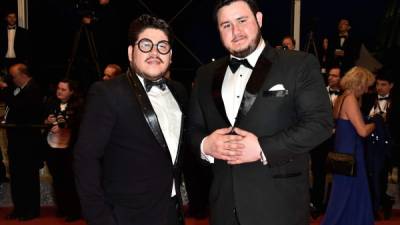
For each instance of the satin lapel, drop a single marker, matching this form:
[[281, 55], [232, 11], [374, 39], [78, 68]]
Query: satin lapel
[[182, 108], [148, 111], [219, 75], [256, 81]]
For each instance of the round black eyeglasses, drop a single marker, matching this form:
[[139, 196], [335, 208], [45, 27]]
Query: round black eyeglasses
[[146, 45]]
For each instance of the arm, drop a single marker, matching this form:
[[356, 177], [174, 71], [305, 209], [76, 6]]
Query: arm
[[95, 132], [352, 111], [314, 122], [215, 144]]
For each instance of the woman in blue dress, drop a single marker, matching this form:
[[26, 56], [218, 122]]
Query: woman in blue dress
[[349, 202]]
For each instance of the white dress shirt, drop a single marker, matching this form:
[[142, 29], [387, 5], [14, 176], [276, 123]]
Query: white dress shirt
[[332, 97], [169, 117], [233, 88], [11, 37], [380, 107]]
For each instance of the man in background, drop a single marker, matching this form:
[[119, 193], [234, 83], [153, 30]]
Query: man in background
[[24, 109], [111, 71], [14, 42]]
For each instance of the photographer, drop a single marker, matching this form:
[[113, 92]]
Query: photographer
[[63, 116]]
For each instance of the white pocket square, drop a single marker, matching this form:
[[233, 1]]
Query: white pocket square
[[277, 87]]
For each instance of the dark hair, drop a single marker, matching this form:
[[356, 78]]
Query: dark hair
[[11, 11], [335, 65], [146, 21], [385, 74], [221, 3], [72, 85]]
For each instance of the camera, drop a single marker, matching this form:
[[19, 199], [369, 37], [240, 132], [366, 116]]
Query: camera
[[284, 47], [61, 118]]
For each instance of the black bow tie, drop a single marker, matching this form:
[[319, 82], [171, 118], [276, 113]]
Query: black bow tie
[[161, 83], [334, 92], [234, 64], [383, 98], [11, 28]]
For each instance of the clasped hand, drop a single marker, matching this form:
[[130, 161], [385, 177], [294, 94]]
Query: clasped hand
[[236, 148]]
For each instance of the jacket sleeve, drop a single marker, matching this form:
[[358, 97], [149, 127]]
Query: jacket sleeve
[[314, 120], [196, 124], [95, 131]]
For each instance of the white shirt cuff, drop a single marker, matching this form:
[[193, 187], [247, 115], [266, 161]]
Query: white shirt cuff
[[264, 160], [203, 155]]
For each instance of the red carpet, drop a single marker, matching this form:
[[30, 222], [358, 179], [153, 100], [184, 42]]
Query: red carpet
[[48, 218]]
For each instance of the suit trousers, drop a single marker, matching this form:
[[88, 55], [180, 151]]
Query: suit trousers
[[173, 208], [59, 162]]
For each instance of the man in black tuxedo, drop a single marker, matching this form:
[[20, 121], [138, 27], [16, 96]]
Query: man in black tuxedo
[[380, 150], [320, 153], [14, 42], [344, 48], [128, 150], [24, 108], [279, 108]]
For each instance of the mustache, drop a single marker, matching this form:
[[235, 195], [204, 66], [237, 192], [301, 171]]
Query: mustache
[[154, 57], [238, 37]]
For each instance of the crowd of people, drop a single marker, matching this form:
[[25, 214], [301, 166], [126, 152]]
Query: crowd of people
[[256, 118]]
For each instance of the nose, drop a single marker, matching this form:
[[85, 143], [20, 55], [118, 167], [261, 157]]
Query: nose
[[154, 50], [235, 30]]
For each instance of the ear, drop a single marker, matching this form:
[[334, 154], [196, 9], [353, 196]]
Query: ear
[[259, 17], [170, 57], [130, 52]]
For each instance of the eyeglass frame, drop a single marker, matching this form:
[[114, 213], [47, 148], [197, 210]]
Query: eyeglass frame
[[152, 46]]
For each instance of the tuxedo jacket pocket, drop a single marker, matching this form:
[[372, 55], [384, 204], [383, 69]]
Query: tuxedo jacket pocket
[[277, 93]]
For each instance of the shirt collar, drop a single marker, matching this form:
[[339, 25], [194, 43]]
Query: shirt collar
[[253, 57], [383, 96]]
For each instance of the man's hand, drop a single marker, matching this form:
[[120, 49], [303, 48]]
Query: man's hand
[[249, 147], [222, 145]]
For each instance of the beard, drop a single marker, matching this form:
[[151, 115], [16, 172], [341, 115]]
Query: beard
[[249, 49]]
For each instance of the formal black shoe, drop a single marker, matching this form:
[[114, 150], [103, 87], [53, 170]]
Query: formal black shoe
[[72, 218], [28, 217], [314, 212], [387, 208], [377, 216], [12, 216]]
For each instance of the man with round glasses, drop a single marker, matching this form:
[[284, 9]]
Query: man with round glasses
[[127, 154]]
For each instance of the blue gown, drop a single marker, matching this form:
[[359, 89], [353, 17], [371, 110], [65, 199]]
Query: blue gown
[[349, 202]]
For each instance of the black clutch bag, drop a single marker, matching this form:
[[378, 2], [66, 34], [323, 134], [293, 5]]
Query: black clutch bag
[[341, 164]]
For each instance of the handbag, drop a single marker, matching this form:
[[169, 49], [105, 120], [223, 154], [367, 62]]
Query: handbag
[[342, 163]]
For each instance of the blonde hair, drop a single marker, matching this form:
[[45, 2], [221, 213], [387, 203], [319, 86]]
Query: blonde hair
[[357, 77]]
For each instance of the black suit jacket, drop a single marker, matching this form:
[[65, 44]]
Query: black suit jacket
[[287, 124], [123, 167], [351, 47], [24, 109], [21, 44], [392, 113]]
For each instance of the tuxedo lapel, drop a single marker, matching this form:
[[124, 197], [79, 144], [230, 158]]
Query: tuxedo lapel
[[181, 104], [147, 110], [219, 75], [253, 86]]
